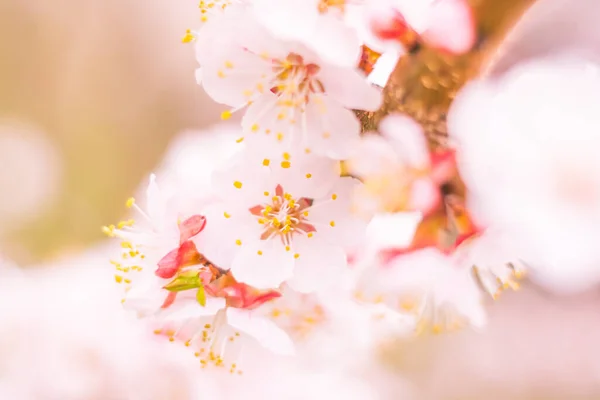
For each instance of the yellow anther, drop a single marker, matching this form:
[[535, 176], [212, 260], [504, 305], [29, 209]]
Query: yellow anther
[[118, 278], [285, 164], [307, 150], [286, 156], [225, 115], [308, 176], [266, 162], [237, 184], [107, 231], [130, 202], [226, 214], [254, 128], [221, 74], [266, 193], [188, 37], [228, 64], [287, 248], [260, 253], [326, 135], [296, 255], [309, 234], [238, 242], [240, 140], [332, 223], [280, 136], [305, 213], [334, 196]]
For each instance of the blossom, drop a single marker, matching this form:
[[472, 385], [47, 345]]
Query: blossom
[[294, 99], [436, 289], [398, 171], [284, 218], [527, 151]]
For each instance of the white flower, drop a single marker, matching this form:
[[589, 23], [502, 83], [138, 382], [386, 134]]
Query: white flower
[[436, 289], [294, 99], [282, 219], [528, 154], [398, 172]]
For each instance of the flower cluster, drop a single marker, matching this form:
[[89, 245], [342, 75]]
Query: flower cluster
[[298, 225]]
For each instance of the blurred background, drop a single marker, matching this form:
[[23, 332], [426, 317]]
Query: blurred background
[[91, 94]]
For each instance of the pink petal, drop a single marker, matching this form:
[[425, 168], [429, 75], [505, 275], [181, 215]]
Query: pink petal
[[191, 227], [169, 300], [451, 26], [185, 255], [167, 266]]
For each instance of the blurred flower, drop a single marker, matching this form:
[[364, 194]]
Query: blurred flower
[[528, 154], [399, 24], [398, 172], [66, 339]]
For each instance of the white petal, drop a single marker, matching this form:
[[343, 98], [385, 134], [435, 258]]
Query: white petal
[[264, 331], [263, 264], [270, 128], [333, 219], [155, 202], [350, 88], [374, 155], [234, 76], [189, 309], [287, 19], [407, 138], [224, 227], [335, 42], [318, 266], [305, 175], [243, 181], [332, 130]]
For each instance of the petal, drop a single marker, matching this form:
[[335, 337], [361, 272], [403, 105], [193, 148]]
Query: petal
[[189, 309], [333, 218], [235, 76], [191, 227], [243, 181], [335, 42], [451, 26], [225, 228], [407, 138], [331, 129], [350, 88], [263, 264], [270, 128], [305, 175], [287, 19], [264, 331], [155, 202], [318, 266], [374, 156]]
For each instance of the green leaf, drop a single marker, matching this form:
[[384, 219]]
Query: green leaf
[[184, 281], [201, 296]]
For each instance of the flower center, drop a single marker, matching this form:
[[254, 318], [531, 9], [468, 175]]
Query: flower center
[[283, 216], [294, 80]]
